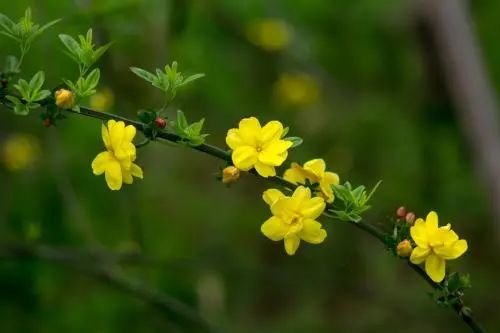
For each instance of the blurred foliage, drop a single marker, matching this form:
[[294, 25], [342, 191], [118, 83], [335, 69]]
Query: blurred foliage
[[377, 114]]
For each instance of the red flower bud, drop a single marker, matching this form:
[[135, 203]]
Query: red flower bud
[[160, 122], [410, 218], [47, 122], [401, 212]]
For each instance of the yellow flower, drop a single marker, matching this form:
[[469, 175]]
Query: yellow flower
[[314, 172], [230, 174], [435, 245], [294, 218], [20, 151], [296, 90], [117, 162], [65, 99], [258, 147], [103, 100], [270, 34]]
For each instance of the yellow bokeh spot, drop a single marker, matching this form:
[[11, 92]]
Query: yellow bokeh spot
[[269, 33], [296, 90], [20, 151], [103, 100]]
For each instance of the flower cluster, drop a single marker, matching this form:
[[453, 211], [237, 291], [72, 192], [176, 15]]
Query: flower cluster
[[264, 148], [117, 161]]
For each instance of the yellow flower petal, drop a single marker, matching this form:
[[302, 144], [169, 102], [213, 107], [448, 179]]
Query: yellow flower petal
[[292, 243], [295, 175], [301, 194], [272, 159], [419, 233], [100, 162], [117, 133], [113, 175], [245, 157], [312, 232], [452, 251], [272, 195], [105, 137], [249, 130], [419, 254], [271, 131], [265, 170], [312, 208], [431, 221], [331, 178], [316, 166], [274, 229], [435, 267], [233, 139], [130, 132]]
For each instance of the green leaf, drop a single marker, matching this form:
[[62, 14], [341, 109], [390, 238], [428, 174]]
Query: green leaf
[[100, 51], [191, 78], [92, 79], [7, 24], [181, 119], [285, 131], [72, 46], [143, 74], [41, 95], [295, 140], [36, 82]]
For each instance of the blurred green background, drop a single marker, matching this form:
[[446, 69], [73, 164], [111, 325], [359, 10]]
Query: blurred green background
[[350, 77]]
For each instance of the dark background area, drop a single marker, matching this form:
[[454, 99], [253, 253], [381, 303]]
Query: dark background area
[[363, 82]]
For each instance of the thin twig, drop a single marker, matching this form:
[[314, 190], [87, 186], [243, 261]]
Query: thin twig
[[102, 265]]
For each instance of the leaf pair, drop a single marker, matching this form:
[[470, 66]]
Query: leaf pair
[[24, 32], [31, 93], [190, 133], [85, 86], [83, 52], [355, 201], [169, 80]]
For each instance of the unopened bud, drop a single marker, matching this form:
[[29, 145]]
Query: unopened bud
[[230, 174], [401, 212], [65, 99], [47, 122], [160, 122], [4, 83], [404, 248], [410, 218]]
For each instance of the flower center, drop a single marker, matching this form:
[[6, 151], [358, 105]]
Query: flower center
[[258, 149]]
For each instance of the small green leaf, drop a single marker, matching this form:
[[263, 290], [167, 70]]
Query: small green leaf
[[72, 46], [143, 74], [295, 140], [191, 78], [36, 82]]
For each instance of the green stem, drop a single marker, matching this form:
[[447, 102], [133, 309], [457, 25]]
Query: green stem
[[226, 156]]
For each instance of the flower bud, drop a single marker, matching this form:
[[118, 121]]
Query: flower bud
[[230, 174], [4, 83], [47, 122], [160, 122], [401, 212], [64, 98], [410, 218], [404, 248]]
